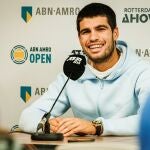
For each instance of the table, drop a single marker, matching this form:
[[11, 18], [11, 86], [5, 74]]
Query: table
[[101, 143]]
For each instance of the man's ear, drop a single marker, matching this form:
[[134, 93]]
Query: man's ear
[[116, 33]]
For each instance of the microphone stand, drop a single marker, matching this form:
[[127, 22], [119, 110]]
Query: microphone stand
[[45, 125]]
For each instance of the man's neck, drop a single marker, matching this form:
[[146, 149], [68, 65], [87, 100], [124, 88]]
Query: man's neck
[[109, 63]]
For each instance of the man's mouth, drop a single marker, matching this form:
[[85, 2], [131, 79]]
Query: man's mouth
[[96, 47]]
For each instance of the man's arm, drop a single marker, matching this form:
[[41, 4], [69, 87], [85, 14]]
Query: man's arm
[[32, 115], [119, 126]]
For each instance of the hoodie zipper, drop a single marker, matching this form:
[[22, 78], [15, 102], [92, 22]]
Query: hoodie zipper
[[101, 81]]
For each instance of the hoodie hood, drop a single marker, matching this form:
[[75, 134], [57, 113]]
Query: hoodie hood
[[127, 59]]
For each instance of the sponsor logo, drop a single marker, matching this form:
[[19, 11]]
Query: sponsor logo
[[25, 93], [136, 15], [19, 54], [58, 11], [143, 52], [40, 91], [26, 13], [40, 55]]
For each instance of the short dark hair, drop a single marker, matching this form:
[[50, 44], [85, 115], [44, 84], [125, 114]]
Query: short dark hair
[[97, 9]]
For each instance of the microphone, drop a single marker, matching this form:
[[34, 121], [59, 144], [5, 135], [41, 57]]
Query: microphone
[[73, 68]]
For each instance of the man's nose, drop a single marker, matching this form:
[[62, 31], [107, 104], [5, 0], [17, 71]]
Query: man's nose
[[94, 36]]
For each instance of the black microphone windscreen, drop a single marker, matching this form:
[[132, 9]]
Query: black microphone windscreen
[[74, 66]]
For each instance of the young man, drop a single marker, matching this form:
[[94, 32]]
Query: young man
[[107, 98]]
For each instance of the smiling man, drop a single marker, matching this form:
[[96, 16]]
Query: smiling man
[[107, 98], [98, 42]]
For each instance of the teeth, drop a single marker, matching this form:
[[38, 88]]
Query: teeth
[[95, 46]]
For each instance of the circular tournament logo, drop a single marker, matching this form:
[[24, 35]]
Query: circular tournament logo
[[19, 54]]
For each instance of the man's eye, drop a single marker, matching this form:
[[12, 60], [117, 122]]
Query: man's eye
[[84, 32], [101, 29]]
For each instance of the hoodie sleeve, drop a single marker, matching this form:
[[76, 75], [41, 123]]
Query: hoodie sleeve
[[120, 126], [32, 115], [130, 125]]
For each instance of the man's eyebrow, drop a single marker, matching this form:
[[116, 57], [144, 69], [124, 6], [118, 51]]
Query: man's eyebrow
[[99, 26]]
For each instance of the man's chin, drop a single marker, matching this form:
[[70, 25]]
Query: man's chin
[[99, 60]]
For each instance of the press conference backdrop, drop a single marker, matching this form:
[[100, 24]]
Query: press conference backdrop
[[37, 36]]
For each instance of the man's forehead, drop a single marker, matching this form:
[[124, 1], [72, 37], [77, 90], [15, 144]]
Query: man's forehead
[[93, 21]]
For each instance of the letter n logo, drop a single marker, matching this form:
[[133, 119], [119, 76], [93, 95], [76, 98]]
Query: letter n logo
[[25, 93], [26, 13]]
